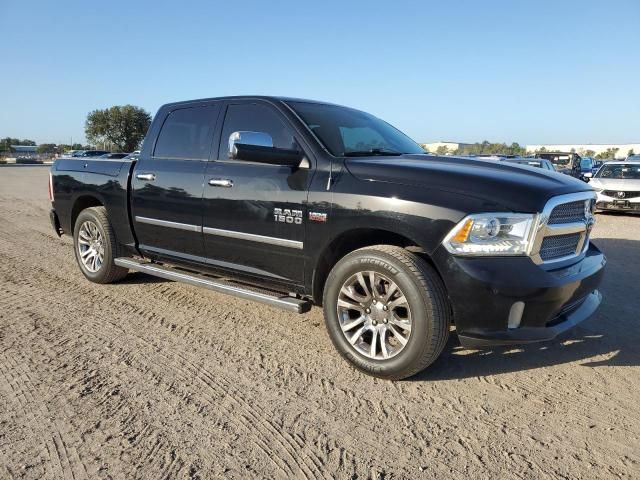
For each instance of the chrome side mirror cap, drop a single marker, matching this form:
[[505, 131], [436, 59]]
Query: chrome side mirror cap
[[254, 139]]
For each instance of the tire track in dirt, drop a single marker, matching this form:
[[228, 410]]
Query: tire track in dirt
[[62, 456], [253, 424], [288, 443]]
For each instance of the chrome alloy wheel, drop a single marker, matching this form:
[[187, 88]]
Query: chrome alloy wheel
[[374, 315], [90, 246]]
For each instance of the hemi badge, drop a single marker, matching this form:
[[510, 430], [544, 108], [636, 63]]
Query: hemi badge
[[317, 217]]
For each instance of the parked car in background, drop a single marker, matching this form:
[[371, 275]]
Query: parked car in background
[[618, 186], [114, 155], [532, 162], [72, 153], [633, 158], [596, 166], [94, 153], [564, 162], [586, 167]]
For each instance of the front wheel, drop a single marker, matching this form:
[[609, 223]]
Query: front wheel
[[386, 311], [95, 246]]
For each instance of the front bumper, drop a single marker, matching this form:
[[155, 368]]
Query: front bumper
[[631, 205], [483, 292]]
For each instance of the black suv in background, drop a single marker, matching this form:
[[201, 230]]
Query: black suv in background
[[295, 203], [565, 162]]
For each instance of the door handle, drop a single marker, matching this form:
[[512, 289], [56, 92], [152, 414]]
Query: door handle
[[221, 182], [149, 177]]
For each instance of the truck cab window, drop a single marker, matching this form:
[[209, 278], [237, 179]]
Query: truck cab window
[[254, 118], [186, 134]]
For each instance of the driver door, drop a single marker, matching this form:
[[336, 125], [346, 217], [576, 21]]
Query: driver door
[[254, 213]]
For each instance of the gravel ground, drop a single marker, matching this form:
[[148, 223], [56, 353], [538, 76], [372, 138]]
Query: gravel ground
[[152, 379]]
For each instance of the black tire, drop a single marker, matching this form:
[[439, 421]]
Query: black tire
[[425, 295], [108, 271]]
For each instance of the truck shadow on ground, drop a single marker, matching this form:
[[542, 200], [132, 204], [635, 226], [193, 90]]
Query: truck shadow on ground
[[139, 278], [610, 338]]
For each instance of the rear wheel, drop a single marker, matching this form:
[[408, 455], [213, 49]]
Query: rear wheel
[[386, 311], [95, 246]]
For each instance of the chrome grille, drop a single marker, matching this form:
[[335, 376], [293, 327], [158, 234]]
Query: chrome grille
[[563, 228], [559, 246], [567, 213]]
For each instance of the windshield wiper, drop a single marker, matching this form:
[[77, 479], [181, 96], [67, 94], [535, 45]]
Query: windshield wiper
[[372, 151]]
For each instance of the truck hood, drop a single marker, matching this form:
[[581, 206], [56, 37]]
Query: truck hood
[[514, 187], [617, 184]]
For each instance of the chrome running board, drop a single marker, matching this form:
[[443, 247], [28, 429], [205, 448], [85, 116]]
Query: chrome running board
[[274, 299]]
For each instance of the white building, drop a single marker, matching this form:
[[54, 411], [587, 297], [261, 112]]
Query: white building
[[450, 146], [581, 149]]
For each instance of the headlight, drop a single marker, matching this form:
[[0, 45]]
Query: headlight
[[492, 234]]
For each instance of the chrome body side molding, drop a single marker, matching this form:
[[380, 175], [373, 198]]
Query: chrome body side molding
[[168, 224], [281, 242]]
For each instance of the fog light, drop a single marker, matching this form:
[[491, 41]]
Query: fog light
[[515, 314]]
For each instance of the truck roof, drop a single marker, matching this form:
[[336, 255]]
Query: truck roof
[[272, 98]]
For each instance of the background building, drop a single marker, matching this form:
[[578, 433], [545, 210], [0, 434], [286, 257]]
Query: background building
[[450, 146]]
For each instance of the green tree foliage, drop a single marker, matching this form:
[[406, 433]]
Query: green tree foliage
[[47, 148], [442, 150], [63, 147], [588, 153], [5, 143], [487, 148], [607, 154], [630, 152], [122, 126]]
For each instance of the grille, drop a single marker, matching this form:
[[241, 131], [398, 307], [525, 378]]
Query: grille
[[559, 245], [567, 213], [614, 194]]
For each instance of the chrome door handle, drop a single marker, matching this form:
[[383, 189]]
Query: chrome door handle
[[221, 182], [149, 177]]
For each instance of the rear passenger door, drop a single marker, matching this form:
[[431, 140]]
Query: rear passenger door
[[254, 213], [168, 182]]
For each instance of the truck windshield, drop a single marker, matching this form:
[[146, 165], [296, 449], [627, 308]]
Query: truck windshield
[[348, 132], [619, 172]]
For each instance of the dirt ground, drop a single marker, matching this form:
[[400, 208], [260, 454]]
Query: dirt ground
[[153, 379]]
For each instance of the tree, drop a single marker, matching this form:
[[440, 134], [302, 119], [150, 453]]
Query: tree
[[589, 153], [123, 126], [607, 154], [47, 148], [5, 143], [488, 148], [630, 152], [442, 150]]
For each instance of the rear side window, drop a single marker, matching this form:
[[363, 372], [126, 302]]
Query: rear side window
[[254, 118], [186, 133]]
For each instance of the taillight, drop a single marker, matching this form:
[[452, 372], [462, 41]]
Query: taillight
[[50, 187]]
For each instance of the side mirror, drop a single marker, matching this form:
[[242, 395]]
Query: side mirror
[[258, 147]]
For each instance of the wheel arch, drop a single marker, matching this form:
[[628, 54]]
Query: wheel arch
[[82, 203], [354, 239]]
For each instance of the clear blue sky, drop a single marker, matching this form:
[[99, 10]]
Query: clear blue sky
[[528, 71]]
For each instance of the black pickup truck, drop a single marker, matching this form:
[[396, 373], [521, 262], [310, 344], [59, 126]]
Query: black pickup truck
[[296, 203]]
